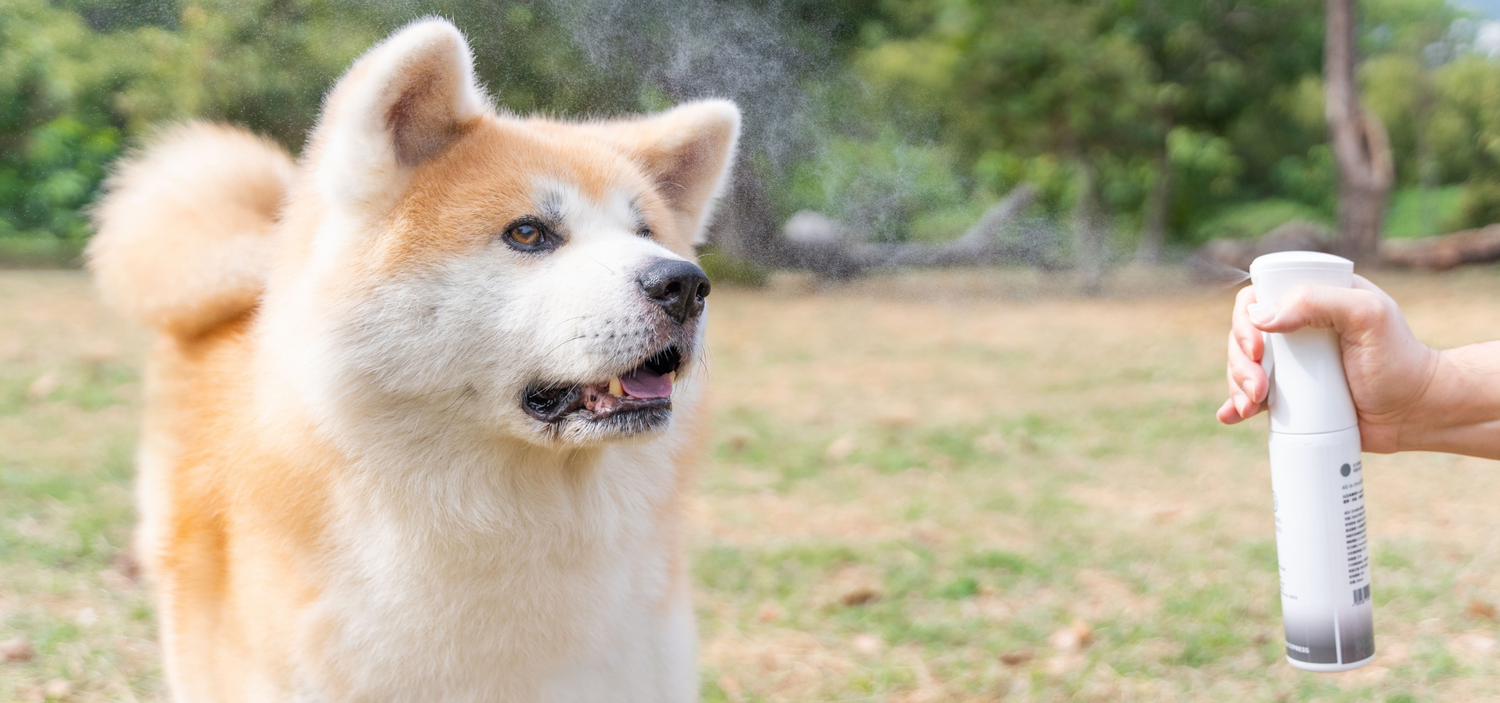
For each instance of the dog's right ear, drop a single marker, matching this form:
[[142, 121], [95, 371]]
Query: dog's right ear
[[403, 102]]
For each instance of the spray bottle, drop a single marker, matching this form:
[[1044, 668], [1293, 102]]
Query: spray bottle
[[1316, 478]]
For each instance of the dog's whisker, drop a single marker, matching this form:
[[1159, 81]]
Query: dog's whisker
[[468, 391], [571, 319], [560, 344], [601, 263]]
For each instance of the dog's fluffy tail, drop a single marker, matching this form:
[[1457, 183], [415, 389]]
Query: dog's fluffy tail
[[183, 238]]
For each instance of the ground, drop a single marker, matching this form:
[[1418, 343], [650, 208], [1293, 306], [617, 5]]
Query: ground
[[960, 487]]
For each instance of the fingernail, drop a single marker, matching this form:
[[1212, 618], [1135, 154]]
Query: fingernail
[[1241, 403], [1250, 390], [1261, 313]]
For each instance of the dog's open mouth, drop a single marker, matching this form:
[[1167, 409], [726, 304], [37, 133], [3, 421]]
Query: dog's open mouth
[[646, 389]]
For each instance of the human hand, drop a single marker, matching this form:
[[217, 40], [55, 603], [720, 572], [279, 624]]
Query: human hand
[[1389, 371]]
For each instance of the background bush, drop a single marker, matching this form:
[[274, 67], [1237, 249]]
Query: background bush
[[904, 120]]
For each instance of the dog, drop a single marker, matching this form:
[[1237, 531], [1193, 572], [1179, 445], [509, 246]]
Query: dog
[[423, 404]]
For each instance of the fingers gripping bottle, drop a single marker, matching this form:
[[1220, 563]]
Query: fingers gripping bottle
[[1316, 478]]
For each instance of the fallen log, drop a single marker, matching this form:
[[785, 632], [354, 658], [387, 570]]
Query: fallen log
[[1443, 252], [812, 241]]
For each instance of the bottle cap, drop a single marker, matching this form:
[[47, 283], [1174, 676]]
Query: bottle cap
[[1309, 394]]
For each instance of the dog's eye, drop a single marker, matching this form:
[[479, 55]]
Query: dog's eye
[[528, 236]]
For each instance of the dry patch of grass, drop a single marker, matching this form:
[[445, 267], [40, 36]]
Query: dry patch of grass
[[956, 487]]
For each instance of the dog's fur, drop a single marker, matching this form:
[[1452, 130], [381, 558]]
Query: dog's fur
[[342, 497]]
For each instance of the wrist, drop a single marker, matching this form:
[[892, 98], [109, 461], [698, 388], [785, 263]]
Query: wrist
[[1458, 410], [1426, 417]]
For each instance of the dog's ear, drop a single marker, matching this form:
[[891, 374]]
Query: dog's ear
[[688, 151], [401, 103]]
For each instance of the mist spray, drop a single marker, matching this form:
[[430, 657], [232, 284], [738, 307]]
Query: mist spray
[[1316, 478]]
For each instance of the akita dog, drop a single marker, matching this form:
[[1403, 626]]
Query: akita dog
[[422, 405]]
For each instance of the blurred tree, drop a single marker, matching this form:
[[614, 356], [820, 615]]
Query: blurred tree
[[1214, 62], [1035, 77], [906, 119], [55, 135], [1360, 145]]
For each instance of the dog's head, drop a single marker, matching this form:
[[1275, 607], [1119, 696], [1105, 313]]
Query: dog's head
[[526, 277]]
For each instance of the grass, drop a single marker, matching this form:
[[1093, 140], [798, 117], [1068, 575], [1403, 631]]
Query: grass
[[914, 480], [1417, 212], [1410, 212]]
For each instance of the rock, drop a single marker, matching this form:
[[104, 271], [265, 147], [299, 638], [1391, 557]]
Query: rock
[[813, 228]]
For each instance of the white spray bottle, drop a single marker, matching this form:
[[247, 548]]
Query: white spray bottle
[[1316, 478]]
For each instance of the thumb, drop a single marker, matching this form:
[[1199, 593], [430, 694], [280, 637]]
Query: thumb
[[1319, 307]]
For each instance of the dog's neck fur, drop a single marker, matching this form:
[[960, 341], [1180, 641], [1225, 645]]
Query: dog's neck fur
[[436, 531]]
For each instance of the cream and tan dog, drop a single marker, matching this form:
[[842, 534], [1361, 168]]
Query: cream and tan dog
[[422, 405]]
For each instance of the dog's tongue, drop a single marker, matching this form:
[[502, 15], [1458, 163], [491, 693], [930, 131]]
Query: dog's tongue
[[643, 384]]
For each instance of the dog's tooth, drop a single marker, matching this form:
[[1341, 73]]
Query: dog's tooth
[[615, 388], [672, 376]]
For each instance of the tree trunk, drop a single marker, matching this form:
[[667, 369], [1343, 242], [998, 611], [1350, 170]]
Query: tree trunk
[[1359, 141], [1158, 202], [1088, 235]]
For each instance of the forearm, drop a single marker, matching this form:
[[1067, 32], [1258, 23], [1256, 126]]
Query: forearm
[[1460, 410]]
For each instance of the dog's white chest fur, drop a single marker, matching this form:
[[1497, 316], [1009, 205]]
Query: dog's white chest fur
[[543, 588]]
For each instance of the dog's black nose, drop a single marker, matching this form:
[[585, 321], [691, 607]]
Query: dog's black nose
[[678, 286]]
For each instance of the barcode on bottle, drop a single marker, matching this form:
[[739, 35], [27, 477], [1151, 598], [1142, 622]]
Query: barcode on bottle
[[1362, 594]]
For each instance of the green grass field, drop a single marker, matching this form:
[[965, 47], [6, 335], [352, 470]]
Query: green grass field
[[959, 487]]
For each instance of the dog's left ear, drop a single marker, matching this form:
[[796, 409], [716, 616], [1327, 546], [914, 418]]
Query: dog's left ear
[[688, 151], [404, 102]]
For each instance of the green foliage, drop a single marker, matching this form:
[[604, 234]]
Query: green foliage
[[81, 79], [1254, 219], [878, 186], [1423, 212], [904, 120], [47, 183], [1311, 179], [1206, 171], [1481, 203], [999, 171], [1208, 160], [53, 153]]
